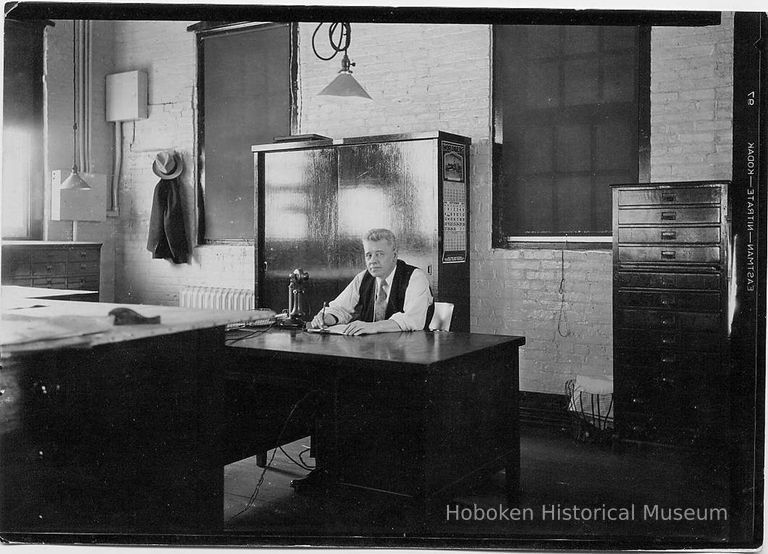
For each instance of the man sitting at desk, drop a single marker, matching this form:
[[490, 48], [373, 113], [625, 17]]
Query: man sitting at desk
[[388, 296]]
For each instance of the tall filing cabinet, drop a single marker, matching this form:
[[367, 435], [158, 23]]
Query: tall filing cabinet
[[671, 252], [316, 198]]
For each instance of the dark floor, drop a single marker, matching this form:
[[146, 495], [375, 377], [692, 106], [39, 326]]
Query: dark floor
[[555, 470]]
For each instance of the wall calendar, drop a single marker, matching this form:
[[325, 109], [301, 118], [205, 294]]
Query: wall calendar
[[454, 203]]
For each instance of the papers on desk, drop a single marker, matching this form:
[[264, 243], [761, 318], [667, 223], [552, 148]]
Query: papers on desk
[[22, 332], [332, 330]]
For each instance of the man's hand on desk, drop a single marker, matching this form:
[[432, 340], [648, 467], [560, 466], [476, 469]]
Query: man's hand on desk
[[365, 328], [355, 327]]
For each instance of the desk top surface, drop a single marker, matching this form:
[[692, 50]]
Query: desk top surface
[[30, 324], [16, 292], [418, 347]]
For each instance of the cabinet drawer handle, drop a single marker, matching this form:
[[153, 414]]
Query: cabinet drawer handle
[[667, 301], [83, 254], [668, 197], [668, 216], [668, 235], [667, 322], [668, 340], [668, 359], [49, 267], [83, 266], [668, 254]]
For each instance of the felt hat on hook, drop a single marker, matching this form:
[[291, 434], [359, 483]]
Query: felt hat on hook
[[167, 165]]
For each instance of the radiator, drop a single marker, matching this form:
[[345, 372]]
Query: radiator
[[217, 298]]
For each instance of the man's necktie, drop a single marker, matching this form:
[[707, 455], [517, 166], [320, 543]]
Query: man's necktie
[[380, 307]]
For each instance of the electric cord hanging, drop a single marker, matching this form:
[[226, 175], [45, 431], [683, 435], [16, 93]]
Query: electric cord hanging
[[255, 494], [562, 319], [339, 44]]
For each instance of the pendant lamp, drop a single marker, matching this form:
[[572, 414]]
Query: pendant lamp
[[74, 181], [344, 85]]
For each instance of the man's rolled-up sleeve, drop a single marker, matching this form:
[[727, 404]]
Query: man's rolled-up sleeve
[[418, 298], [343, 306]]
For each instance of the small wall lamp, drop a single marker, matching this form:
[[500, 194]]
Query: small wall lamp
[[344, 85]]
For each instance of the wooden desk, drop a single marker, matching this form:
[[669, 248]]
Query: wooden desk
[[417, 414], [113, 431]]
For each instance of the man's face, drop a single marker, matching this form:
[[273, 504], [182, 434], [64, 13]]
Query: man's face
[[380, 257]]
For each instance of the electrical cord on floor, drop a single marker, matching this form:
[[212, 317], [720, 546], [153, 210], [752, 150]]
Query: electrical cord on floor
[[301, 457], [254, 495], [301, 464]]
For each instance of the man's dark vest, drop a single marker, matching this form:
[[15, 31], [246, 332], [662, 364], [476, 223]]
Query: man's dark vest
[[396, 300]]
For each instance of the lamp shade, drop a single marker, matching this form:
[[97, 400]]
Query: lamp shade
[[345, 85], [78, 203], [74, 181]]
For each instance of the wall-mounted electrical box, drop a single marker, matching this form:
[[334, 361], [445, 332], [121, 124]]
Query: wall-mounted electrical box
[[127, 96]]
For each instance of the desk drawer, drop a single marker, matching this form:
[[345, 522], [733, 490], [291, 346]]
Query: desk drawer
[[49, 269], [678, 195], [670, 235], [83, 282], [47, 255], [671, 214], [84, 254], [669, 254], [652, 319], [637, 279], [82, 268], [666, 338], [677, 301], [50, 282], [16, 264], [668, 362]]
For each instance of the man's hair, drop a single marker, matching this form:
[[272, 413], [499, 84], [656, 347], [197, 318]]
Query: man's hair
[[374, 235]]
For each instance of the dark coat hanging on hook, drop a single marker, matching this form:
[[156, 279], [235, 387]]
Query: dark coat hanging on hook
[[167, 237]]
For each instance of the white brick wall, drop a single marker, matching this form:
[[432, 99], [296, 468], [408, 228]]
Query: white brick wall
[[427, 77], [692, 102]]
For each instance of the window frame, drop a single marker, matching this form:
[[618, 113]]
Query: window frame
[[204, 30], [575, 242]]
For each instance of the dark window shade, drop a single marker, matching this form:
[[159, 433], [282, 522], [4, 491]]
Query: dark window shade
[[246, 100], [566, 102]]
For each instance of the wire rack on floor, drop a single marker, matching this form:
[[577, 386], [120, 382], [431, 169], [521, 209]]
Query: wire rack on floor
[[590, 407]]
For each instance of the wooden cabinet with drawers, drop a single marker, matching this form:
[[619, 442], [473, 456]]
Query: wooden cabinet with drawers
[[48, 264], [670, 320]]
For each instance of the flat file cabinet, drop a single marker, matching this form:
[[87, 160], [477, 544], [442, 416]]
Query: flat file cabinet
[[671, 257], [52, 264]]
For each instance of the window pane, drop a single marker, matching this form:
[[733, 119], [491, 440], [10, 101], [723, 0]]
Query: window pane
[[246, 101], [582, 39], [570, 124], [574, 148], [574, 204]]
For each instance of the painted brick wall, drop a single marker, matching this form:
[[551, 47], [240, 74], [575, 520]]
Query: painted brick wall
[[166, 51], [692, 102], [427, 77]]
